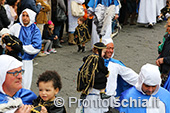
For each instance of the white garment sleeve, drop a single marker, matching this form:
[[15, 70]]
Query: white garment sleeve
[[128, 75], [30, 49], [117, 9], [80, 1], [15, 29]]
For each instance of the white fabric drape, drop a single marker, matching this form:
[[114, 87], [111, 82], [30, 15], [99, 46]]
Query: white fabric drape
[[147, 11]]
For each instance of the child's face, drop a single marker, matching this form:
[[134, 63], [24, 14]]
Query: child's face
[[79, 22], [47, 91], [103, 52], [51, 27]]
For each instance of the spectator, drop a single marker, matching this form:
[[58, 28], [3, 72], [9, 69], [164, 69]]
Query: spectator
[[41, 18], [30, 4], [58, 26], [148, 89], [11, 9], [164, 58], [4, 21], [11, 88], [30, 36], [49, 37]]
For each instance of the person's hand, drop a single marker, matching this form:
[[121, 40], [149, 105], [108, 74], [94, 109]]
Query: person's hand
[[39, 3], [159, 61], [43, 110], [24, 109], [116, 16], [158, 45], [9, 48], [56, 37]]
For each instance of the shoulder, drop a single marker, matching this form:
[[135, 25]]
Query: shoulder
[[26, 95], [15, 25], [129, 92]]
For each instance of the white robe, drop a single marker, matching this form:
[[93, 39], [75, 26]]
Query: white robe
[[159, 5], [72, 21], [147, 12], [95, 36], [114, 69]]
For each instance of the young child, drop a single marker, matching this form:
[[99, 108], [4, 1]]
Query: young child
[[165, 12], [49, 37], [49, 84], [81, 34], [93, 73]]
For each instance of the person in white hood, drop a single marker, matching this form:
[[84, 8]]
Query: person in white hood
[[114, 69], [148, 90], [30, 36], [13, 98]]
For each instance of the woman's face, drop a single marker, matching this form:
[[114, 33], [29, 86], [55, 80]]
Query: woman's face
[[2, 2]]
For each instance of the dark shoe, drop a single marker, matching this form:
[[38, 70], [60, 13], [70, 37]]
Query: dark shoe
[[83, 96], [104, 96], [79, 48], [83, 49], [132, 23]]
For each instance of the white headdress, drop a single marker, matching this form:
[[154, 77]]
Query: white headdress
[[149, 75], [7, 63], [31, 15]]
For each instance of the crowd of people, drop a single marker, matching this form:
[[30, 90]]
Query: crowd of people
[[27, 25]]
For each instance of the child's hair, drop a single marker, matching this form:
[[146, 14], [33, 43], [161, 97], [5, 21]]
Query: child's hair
[[95, 50], [167, 2], [50, 25], [50, 76], [81, 19]]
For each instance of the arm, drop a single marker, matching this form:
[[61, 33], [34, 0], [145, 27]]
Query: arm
[[62, 4], [4, 17], [35, 7], [128, 74], [102, 67], [161, 45], [35, 45]]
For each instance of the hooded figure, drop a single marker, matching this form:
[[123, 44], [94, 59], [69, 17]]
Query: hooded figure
[[114, 69], [148, 90], [122, 85], [9, 63], [30, 36]]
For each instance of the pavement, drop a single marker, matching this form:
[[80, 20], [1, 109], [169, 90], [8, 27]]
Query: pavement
[[134, 46]]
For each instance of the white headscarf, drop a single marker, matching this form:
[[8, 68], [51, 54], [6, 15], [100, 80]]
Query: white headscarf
[[149, 75], [7, 63], [4, 31], [107, 41], [31, 15]]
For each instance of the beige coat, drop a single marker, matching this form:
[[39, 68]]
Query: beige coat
[[42, 15]]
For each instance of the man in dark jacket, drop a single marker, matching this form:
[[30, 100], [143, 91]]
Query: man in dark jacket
[[163, 60], [4, 22], [30, 4]]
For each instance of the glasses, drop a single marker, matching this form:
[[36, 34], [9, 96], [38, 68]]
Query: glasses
[[16, 73]]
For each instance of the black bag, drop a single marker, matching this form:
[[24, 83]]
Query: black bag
[[60, 14]]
